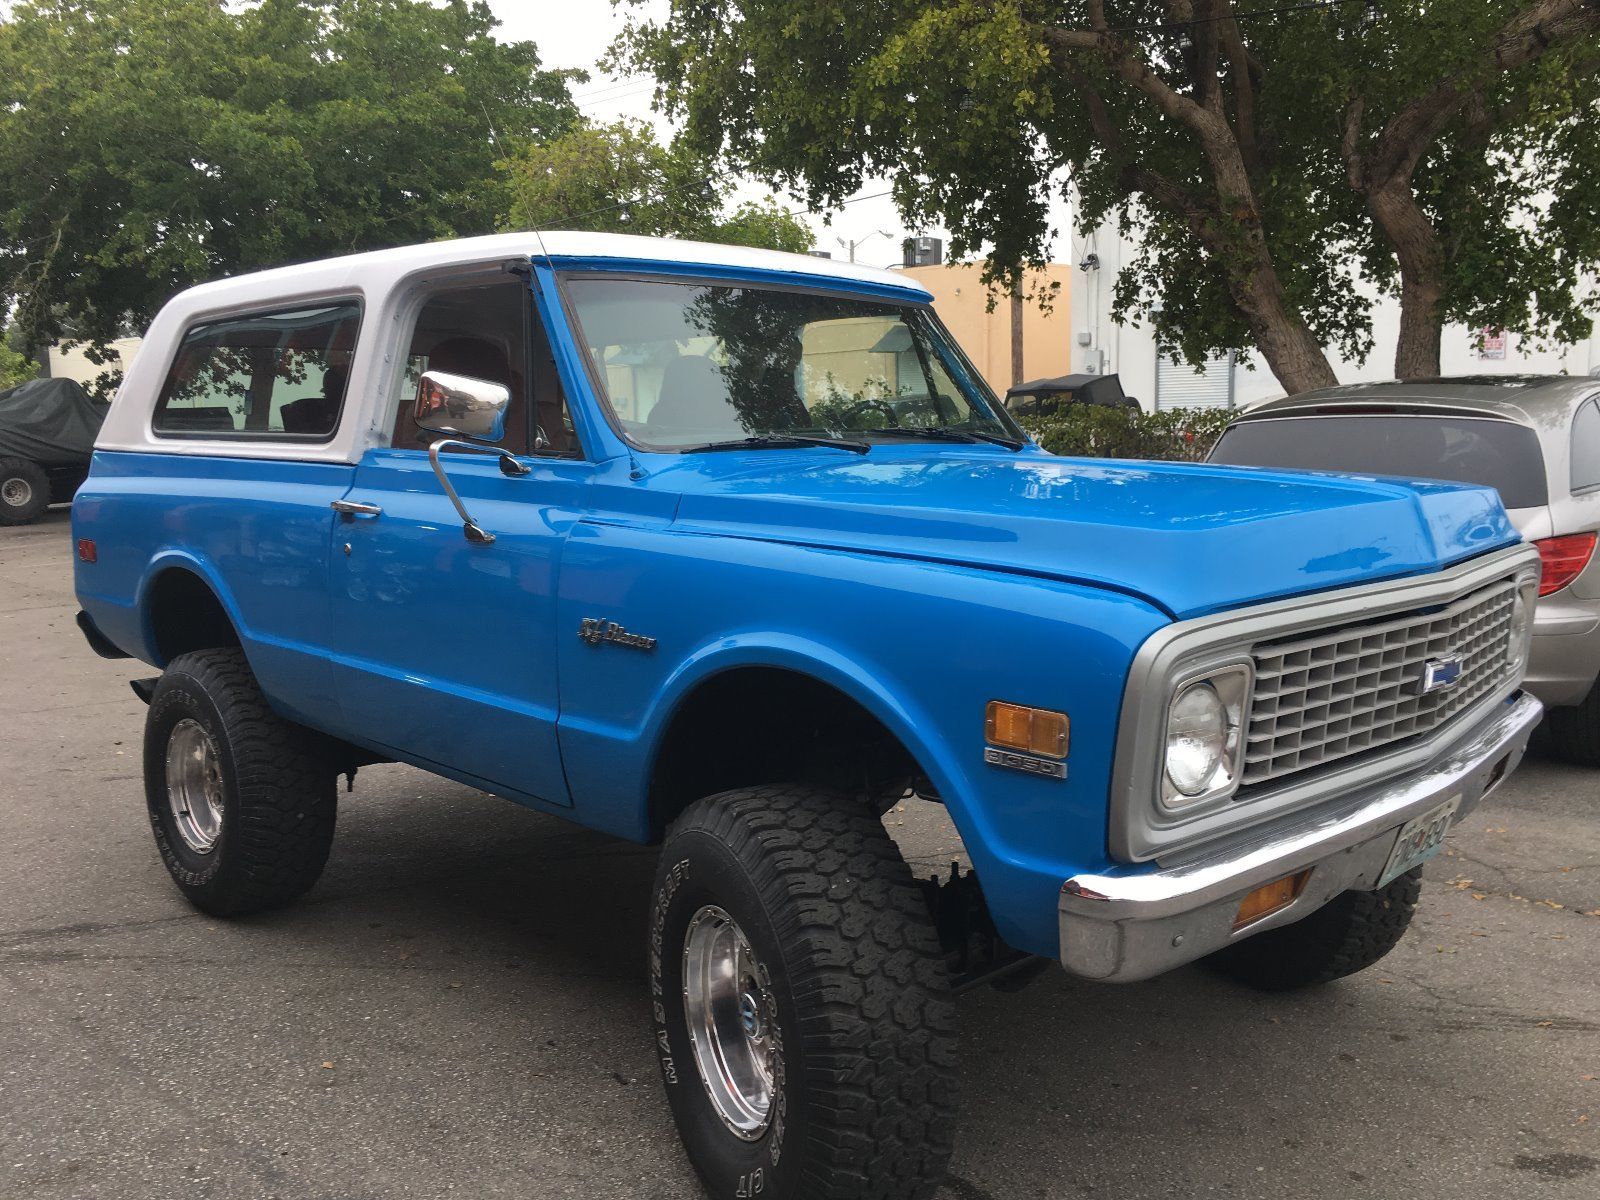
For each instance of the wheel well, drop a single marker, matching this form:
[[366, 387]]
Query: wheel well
[[756, 725], [185, 614]]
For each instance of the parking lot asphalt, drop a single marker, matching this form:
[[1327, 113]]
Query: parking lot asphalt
[[457, 1009]]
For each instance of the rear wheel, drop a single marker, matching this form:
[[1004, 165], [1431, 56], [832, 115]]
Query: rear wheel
[[241, 805], [803, 1016], [24, 491], [1575, 731], [1348, 934]]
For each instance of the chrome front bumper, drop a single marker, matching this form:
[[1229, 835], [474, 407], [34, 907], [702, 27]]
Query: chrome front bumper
[[1121, 928]]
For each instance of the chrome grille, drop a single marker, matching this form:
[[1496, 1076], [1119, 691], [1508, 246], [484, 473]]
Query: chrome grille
[[1323, 696]]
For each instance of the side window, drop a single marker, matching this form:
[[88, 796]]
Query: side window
[[279, 375], [1586, 447], [480, 331]]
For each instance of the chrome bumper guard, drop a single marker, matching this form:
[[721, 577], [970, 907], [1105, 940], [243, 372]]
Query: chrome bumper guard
[[1122, 928]]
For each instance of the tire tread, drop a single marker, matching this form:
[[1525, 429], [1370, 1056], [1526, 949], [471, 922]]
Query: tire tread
[[286, 801], [877, 1018]]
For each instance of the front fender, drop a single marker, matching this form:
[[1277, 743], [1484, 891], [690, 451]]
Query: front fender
[[921, 646]]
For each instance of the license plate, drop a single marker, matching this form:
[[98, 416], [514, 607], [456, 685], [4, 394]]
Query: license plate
[[1419, 839]]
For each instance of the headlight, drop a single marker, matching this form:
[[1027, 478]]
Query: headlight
[[1205, 737]]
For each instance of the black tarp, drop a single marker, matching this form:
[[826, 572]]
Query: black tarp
[[53, 422]]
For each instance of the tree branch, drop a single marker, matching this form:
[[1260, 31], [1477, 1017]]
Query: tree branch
[[1350, 141], [1242, 68], [1523, 39], [1124, 61]]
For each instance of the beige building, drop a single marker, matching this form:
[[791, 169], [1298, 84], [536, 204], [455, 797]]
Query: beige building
[[74, 364], [962, 302]]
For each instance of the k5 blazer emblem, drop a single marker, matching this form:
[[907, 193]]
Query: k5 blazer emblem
[[594, 631]]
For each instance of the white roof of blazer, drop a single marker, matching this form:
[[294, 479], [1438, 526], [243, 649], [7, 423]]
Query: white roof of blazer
[[384, 280]]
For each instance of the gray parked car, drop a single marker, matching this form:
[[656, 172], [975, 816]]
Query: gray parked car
[[1536, 438]]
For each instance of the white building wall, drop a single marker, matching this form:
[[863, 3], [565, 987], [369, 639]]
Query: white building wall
[[1101, 345], [74, 364]]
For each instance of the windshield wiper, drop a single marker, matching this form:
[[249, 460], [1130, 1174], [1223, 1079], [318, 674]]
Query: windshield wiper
[[784, 441], [944, 433]]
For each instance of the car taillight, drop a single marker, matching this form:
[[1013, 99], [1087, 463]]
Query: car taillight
[[1564, 559]]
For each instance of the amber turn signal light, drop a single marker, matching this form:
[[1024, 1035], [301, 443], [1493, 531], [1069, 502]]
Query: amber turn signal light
[[1270, 897], [1031, 730]]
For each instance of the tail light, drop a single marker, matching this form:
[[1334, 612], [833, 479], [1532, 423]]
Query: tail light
[[1564, 559]]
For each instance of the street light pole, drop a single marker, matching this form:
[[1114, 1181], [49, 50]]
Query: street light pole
[[850, 245]]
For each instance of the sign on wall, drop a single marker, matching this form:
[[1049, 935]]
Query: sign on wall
[[1492, 343]]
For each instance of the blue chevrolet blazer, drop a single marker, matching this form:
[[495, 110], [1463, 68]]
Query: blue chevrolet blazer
[[731, 551]]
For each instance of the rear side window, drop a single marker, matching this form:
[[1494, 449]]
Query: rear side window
[[279, 375], [1586, 447], [1488, 452]]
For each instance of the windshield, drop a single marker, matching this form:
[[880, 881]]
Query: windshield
[[688, 364], [1488, 452]]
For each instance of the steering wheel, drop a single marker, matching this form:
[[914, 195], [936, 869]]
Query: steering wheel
[[882, 406], [919, 405]]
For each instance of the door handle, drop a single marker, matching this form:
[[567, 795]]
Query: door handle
[[356, 508]]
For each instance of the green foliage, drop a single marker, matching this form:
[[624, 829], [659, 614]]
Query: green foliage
[[978, 109], [150, 144], [15, 367], [617, 178], [1096, 431]]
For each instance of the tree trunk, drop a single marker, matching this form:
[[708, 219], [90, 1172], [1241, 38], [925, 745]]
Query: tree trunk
[[1416, 246], [1016, 336], [1280, 332], [1292, 353]]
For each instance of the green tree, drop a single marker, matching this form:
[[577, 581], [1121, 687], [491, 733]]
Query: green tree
[[618, 178], [1269, 156], [15, 366], [150, 144]]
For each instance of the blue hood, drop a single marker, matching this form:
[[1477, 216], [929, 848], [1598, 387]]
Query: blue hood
[[1191, 538]]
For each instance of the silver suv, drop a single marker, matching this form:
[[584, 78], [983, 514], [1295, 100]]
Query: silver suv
[[1536, 438]]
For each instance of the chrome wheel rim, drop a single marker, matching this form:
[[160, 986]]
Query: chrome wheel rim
[[727, 1000], [16, 492], [194, 785]]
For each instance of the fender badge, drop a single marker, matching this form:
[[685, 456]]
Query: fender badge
[[594, 632], [1025, 762]]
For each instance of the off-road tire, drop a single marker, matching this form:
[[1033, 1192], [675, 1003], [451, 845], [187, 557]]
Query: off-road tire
[[1346, 935], [864, 1099], [279, 797], [19, 474], [1575, 731]]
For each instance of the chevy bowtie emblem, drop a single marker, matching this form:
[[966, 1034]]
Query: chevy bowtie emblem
[[1439, 675], [594, 631]]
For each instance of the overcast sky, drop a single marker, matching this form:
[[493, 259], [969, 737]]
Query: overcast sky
[[575, 33]]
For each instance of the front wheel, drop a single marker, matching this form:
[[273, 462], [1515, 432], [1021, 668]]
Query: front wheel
[[241, 805], [803, 1016], [1348, 934]]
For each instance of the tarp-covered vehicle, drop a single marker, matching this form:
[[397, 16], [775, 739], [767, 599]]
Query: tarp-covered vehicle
[[47, 432]]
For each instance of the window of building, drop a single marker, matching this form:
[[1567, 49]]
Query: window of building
[[482, 331], [1586, 447], [279, 375]]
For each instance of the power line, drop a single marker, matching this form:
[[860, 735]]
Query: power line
[[1249, 15]]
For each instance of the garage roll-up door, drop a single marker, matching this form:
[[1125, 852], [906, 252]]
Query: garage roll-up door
[[1178, 385]]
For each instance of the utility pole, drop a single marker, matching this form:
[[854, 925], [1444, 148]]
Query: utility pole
[[850, 245], [1016, 335]]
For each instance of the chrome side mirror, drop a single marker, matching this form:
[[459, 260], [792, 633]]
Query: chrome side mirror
[[475, 409], [462, 405]]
